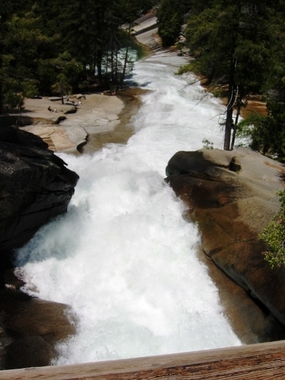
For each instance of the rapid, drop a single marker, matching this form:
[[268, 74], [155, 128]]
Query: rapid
[[123, 257]]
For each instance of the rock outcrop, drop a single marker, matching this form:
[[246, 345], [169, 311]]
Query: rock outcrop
[[35, 186], [32, 327], [232, 196]]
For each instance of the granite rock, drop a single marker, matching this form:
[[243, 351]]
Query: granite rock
[[35, 186], [232, 195]]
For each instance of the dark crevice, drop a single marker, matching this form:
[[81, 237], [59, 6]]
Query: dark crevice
[[234, 167]]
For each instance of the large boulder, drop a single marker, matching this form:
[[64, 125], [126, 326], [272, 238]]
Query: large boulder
[[32, 328], [232, 196], [35, 186]]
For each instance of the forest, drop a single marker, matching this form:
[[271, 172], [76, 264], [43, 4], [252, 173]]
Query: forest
[[238, 46], [55, 47]]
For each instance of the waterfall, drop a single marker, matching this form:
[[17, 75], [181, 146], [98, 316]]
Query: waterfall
[[123, 256]]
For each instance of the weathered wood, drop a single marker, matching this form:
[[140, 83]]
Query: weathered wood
[[259, 361]]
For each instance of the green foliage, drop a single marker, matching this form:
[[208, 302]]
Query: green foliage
[[219, 91], [240, 44], [142, 51], [170, 18], [265, 133], [274, 235], [59, 46], [13, 100], [255, 128], [30, 88], [67, 70], [190, 67], [25, 47], [62, 86], [207, 144]]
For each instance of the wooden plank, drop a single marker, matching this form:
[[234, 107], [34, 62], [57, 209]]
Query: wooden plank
[[258, 361]]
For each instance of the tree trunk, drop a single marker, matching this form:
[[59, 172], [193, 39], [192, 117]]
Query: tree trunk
[[1, 87], [230, 104], [126, 57], [235, 126], [99, 66], [228, 129], [1, 78]]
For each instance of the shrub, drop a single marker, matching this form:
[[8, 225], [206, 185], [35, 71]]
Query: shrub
[[274, 235]]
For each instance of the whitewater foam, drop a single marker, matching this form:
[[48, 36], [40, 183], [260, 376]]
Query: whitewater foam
[[123, 256]]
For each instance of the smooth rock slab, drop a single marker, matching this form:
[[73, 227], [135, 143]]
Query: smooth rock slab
[[232, 196]]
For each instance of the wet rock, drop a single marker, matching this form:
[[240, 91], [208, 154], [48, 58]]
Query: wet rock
[[29, 316], [60, 119], [35, 186], [71, 110], [31, 328], [232, 196], [26, 352]]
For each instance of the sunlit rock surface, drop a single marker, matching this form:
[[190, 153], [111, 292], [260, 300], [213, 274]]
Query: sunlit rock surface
[[232, 196]]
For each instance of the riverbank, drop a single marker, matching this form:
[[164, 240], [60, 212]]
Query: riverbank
[[98, 119], [97, 138]]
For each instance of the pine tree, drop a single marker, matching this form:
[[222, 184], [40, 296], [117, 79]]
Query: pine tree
[[231, 45], [170, 19]]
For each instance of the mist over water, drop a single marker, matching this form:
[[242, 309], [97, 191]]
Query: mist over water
[[123, 256]]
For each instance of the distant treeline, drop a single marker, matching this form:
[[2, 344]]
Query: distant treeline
[[52, 46]]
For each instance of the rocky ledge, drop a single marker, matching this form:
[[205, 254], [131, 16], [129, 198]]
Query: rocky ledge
[[35, 186], [232, 196]]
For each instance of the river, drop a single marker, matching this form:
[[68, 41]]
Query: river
[[123, 256]]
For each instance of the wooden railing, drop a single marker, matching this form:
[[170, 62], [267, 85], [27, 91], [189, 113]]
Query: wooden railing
[[258, 361]]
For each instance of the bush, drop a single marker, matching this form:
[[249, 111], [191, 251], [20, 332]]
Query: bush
[[13, 100], [30, 88], [274, 235]]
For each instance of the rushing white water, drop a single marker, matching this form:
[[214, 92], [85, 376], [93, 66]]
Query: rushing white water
[[123, 256]]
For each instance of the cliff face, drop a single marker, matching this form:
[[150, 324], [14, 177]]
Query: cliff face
[[35, 185], [232, 196]]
